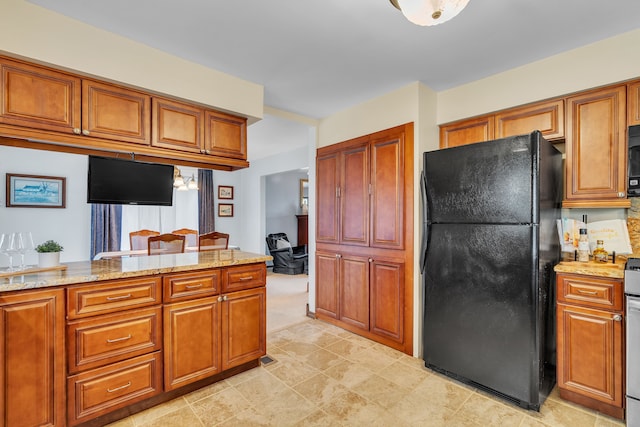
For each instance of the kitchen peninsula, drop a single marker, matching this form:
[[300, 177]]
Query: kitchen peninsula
[[96, 341]]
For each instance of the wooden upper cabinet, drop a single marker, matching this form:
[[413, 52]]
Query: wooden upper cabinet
[[547, 117], [177, 125], [465, 132], [116, 113], [327, 181], [225, 135], [596, 149], [633, 99], [39, 98], [354, 196]]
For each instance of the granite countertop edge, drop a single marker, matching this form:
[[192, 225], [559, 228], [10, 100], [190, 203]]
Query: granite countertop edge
[[122, 268]]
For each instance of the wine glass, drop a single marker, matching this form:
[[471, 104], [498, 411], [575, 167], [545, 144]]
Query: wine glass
[[25, 243], [8, 247]]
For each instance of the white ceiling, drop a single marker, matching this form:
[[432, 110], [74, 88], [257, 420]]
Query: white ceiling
[[317, 57]]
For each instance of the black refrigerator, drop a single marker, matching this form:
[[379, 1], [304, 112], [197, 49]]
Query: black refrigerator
[[489, 246]]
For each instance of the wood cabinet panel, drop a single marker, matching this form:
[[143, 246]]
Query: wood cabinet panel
[[112, 296], [591, 291], [99, 391], [225, 135], [387, 299], [39, 98], [596, 148], [354, 291], [354, 196], [244, 326], [192, 341], [328, 206], [327, 289], [244, 277], [546, 116], [32, 356], [177, 125], [590, 353], [111, 338], [116, 113], [182, 286], [633, 103], [468, 131]]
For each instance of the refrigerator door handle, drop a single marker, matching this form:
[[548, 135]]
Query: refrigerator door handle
[[425, 222]]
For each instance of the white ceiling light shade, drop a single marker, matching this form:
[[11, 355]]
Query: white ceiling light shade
[[429, 12]]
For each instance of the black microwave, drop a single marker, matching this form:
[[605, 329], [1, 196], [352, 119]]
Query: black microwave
[[633, 169]]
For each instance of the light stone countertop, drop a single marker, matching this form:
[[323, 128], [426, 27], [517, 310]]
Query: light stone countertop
[[592, 268], [120, 268]]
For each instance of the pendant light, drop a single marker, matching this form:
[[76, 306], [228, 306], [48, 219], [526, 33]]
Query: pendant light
[[429, 12]]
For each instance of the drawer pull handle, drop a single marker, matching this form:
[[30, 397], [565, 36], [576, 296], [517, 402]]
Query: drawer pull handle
[[111, 341], [119, 297], [199, 285], [582, 291], [111, 390], [244, 279]]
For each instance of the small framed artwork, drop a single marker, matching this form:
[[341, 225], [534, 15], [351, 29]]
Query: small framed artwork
[[225, 192], [35, 191], [225, 209]]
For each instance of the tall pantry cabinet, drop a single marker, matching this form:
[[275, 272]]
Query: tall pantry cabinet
[[364, 236]]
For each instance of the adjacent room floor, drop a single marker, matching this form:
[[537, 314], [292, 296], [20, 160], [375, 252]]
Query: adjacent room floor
[[322, 375]]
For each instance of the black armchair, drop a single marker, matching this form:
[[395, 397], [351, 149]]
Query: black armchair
[[286, 259]]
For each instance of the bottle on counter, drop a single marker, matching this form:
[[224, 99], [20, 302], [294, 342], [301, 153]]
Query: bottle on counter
[[583, 246], [600, 253]]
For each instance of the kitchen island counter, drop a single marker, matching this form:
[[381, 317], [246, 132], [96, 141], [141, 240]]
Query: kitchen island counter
[[125, 267]]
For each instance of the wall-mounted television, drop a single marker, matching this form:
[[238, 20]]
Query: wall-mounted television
[[120, 181]]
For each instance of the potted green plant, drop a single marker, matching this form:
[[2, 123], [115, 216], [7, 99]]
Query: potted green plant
[[49, 254]]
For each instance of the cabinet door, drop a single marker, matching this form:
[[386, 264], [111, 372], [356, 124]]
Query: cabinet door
[[327, 284], [225, 135], [633, 102], [191, 341], [590, 353], [39, 98], [467, 132], [354, 196], [244, 327], [116, 113], [387, 299], [354, 291], [32, 354], [328, 181], [547, 117], [387, 192], [596, 149], [178, 126]]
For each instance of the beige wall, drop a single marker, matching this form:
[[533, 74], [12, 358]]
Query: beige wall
[[36, 33]]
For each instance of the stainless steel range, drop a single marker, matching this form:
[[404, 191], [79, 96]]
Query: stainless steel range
[[632, 296]]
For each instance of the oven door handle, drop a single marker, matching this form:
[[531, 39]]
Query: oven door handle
[[633, 303]]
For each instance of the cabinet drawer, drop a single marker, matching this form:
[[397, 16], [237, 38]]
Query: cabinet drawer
[[591, 291], [191, 285], [112, 296], [102, 390], [244, 277], [114, 337]]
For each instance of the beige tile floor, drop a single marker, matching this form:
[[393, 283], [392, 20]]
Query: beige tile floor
[[325, 376]]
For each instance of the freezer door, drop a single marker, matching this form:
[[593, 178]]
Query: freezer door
[[489, 182], [481, 299]]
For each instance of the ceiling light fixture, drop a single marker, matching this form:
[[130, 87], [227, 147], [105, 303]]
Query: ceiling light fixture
[[429, 12], [184, 184]]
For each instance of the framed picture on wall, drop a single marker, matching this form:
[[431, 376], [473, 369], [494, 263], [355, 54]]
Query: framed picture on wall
[[225, 209], [35, 191], [225, 192]]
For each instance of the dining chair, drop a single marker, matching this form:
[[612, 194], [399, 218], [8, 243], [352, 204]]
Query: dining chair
[[212, 241], [166, 244], [190, 234], [138, 239]]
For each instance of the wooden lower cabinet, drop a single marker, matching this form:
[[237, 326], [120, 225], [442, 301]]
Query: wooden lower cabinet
[[363, 295], [590, 342], [32, 356]]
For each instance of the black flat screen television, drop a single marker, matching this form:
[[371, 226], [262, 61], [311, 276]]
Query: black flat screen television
[[129, 182]]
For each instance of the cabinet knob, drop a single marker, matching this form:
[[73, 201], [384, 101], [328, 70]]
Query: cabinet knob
[[370, 259], [621, 195], [207, 151], [85, 132], [617, 318], [220, 299], [77, 131], [224, 298]]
